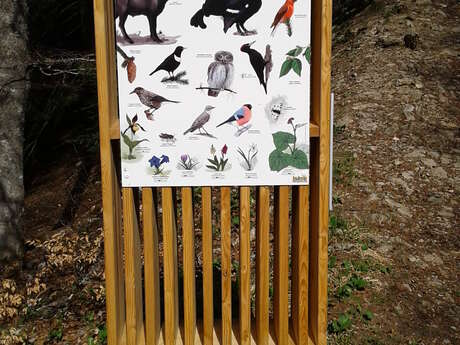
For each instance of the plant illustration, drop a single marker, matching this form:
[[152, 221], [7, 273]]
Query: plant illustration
[[218, 164], [187, 163], [156, 163], [134, 127], [286, 152], [250, 158], [293, 61]]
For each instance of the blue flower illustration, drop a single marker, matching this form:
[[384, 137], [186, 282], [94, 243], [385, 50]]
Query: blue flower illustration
[[156, 163]]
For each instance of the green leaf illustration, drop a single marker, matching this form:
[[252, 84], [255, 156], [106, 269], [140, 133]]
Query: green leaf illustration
[[128, 120], [282, 140], [297, 66], [277, 161], [299, 160], [307, 54], [295, 52], [286, 67]]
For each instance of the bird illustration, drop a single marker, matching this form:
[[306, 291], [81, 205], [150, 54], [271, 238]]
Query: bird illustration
[[150, 100], [284, 16], [200, 121], [171, 63], [241, 117], [262, 66], [220, 73], [232, 11], [133, 125]]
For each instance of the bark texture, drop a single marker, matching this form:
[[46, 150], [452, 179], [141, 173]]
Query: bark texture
[[13, 93]]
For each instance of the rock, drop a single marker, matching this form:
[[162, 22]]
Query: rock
[[417, 153], [429, 162], [433, 259], [439, 172]]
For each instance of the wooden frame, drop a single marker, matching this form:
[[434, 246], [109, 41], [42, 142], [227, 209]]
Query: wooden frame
[[133, 285]]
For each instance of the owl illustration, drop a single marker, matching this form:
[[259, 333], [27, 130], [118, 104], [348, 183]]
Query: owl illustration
[[220, 73]]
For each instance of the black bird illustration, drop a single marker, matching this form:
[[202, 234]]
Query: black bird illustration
[[171, 63], [150, 100], [262, 66], [232, 11]]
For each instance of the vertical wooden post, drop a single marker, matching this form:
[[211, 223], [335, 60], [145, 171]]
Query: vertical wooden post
[[245, 268], [319, 170], [188, 238], [111, 196], [226, 265], [171, 298], [281, 269], [151, 268], [208, 303], [262, 265], [133, 271]]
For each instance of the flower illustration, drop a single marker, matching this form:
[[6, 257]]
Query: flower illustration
[[218, 164], [156, 163], [249, 158], [187, 163]]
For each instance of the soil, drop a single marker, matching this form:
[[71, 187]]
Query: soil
[[394, 241]]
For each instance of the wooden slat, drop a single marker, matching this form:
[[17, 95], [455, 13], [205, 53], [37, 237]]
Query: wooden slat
[[262, 264], [188, 239], [208, 304], [281, 269], [133, 272], [151, 268], [226, 264], [171, 300], [299, 300], [245, 268], [111, 195]]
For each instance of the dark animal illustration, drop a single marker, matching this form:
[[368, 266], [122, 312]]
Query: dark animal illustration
[[149, 8], [167, 137], [262, 66], [171, 63], [150, 100], [232, 11], [200, 121], [220, 73]]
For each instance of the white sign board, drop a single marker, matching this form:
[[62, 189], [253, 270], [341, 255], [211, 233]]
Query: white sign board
[[213, 92]]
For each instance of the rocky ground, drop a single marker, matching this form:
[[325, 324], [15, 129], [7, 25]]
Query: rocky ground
[[396, 219], [394, 240]]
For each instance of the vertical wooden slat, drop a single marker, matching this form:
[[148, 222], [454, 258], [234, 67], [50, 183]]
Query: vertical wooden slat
[[281, 269], [188, 238], [226, 264], [299, 301], [262, 265], [151, 268], [171, 299], [133, 272], [114, 280], [245, 268], [208, 303]]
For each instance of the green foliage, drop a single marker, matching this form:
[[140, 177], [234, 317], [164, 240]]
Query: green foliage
[[56, 333], [293, 61], [339, 325]]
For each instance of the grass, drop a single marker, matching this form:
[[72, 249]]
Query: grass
[[343, 169]]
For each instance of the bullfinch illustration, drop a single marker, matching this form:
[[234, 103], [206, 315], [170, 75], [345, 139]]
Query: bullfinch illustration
[[241, 117]]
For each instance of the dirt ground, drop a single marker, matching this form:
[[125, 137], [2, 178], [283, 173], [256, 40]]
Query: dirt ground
[[394, 233]]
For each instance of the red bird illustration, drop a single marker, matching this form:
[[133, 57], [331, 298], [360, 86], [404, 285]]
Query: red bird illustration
[[284, 16]]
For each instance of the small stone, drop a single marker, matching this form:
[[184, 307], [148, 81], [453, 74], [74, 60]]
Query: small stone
[[439, 172], [433, 259], [429, 162]]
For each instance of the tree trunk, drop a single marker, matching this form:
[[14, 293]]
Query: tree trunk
[[13, 93]]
